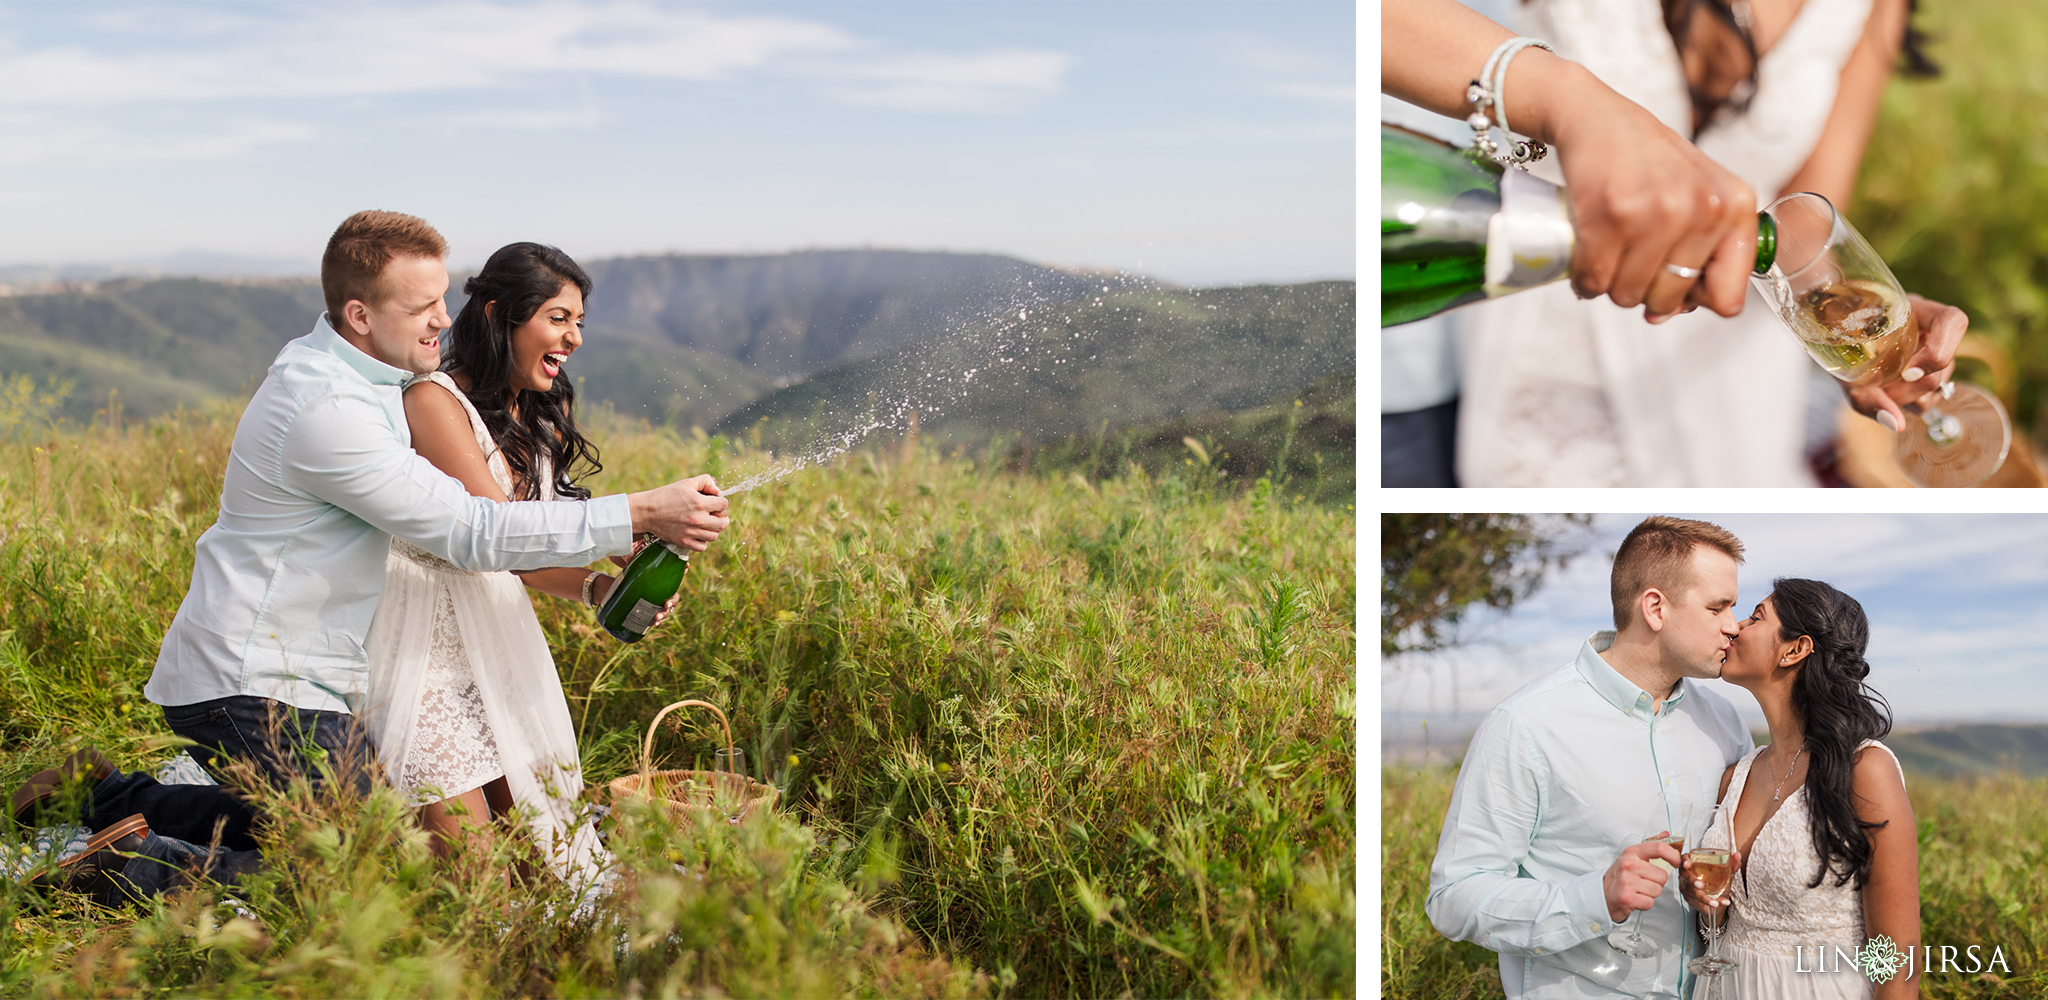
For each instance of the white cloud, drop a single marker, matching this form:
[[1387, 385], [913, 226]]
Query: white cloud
[[335, 50], [1332, 93], [951, 83]]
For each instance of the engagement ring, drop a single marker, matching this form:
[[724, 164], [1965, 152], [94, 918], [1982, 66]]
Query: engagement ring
[[1687, 273]]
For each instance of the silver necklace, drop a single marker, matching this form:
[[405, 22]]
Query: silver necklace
[[1780, 790]]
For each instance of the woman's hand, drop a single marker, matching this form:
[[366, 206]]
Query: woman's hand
[[1941, 332], [603, 587], [1689, 886], [1642, 197]]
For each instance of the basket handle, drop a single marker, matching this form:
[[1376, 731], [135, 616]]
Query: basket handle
[[647, 747]]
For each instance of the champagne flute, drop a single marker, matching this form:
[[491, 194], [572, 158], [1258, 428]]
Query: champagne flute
[[1667, 823], [1851, 315], [1711, 874]]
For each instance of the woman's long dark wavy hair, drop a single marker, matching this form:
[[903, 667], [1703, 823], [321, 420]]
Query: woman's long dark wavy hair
[[518, 278], [1839, 712]]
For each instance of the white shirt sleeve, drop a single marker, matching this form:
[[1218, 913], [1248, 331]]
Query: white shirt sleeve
[[1476, 890], [342, 450]]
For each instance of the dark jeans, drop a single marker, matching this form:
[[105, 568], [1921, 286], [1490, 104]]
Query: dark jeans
[[1419, 448], [280, 741]]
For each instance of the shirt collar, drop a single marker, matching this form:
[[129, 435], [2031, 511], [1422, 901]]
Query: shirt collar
[[379, 373], [1619, 691]]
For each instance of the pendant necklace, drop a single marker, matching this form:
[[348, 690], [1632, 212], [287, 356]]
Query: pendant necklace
[[1780, 790]]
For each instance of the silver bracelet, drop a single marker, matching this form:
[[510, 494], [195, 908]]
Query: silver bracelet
[[1491, 89], [587, 581]]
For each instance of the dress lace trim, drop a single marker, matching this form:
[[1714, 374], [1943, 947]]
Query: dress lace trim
[[1774, 910], [453, 748]]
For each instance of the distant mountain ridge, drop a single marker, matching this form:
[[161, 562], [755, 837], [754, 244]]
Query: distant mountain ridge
[[691, 340], [1972, 750]]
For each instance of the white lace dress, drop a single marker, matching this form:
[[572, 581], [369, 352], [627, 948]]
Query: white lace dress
[[1560, 392], [1777, 926], [463, 689]]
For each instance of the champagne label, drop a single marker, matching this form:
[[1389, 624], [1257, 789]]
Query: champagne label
[[1529, 241], [641, 618]]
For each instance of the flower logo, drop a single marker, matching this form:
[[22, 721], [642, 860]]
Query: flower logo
[[1880, 959]]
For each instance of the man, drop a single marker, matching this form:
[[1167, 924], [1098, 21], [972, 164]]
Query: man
[[1543, 850], [264, 663]]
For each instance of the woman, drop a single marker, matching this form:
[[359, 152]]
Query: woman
[[466, 708], [1827, 855], [1560, 392]]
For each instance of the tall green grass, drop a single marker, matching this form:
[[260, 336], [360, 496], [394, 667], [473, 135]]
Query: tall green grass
[[1981, 852], [1954, 188], [1037, 734]]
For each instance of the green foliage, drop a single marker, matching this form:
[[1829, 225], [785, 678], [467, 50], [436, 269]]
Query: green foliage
[[24, 409], [1035, 737], [1303, 446], [1981, 845], [1434, 567], [1954, 188]]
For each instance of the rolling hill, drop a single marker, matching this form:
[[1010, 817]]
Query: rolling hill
[[795, 344], [1974, 750], [1131, 354]]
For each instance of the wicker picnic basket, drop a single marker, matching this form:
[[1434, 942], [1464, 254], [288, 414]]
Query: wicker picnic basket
[[682, 791]]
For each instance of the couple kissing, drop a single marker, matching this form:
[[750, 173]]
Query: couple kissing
[[1554, 849]]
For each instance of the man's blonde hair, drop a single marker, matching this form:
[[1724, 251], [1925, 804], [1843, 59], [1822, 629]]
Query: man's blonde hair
[[362, 247], [1657, 555]]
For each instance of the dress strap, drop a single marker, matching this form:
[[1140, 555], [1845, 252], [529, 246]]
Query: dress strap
[[1741, 776]]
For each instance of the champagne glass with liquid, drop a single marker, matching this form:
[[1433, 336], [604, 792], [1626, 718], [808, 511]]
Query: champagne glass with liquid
[[1711, 873], [1667, 824], [1851, 315]]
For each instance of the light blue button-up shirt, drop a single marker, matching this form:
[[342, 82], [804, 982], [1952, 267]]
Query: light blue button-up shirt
[[1559, 778], [321, 475]]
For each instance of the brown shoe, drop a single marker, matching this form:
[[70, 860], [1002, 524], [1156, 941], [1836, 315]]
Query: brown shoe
[[96, 871], [87, 766]]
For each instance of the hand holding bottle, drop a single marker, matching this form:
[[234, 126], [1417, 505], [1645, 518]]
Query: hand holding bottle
[[1642, 196]]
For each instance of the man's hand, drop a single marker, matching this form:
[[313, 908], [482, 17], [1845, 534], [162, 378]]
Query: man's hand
[[1632, 882], [1941, 331], [690, 513]]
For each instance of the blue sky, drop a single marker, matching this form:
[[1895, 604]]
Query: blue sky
[[1204, 143], [1957, 603]]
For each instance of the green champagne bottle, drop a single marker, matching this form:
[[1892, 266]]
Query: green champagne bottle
[[646, 584], [1456, 227]]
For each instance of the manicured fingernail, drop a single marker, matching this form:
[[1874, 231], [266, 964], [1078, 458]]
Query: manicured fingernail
[[1656, 319], [1913, 374], [1890, 422]]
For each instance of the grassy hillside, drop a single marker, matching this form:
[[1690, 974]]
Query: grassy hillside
[[162, 343], [1954, 188], [1303, 444], [1037, 736], [1973, 751], [1980, 843], [1122, 357]]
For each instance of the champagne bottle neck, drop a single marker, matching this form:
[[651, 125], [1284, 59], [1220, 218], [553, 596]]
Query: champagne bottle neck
[[1766, 242]]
